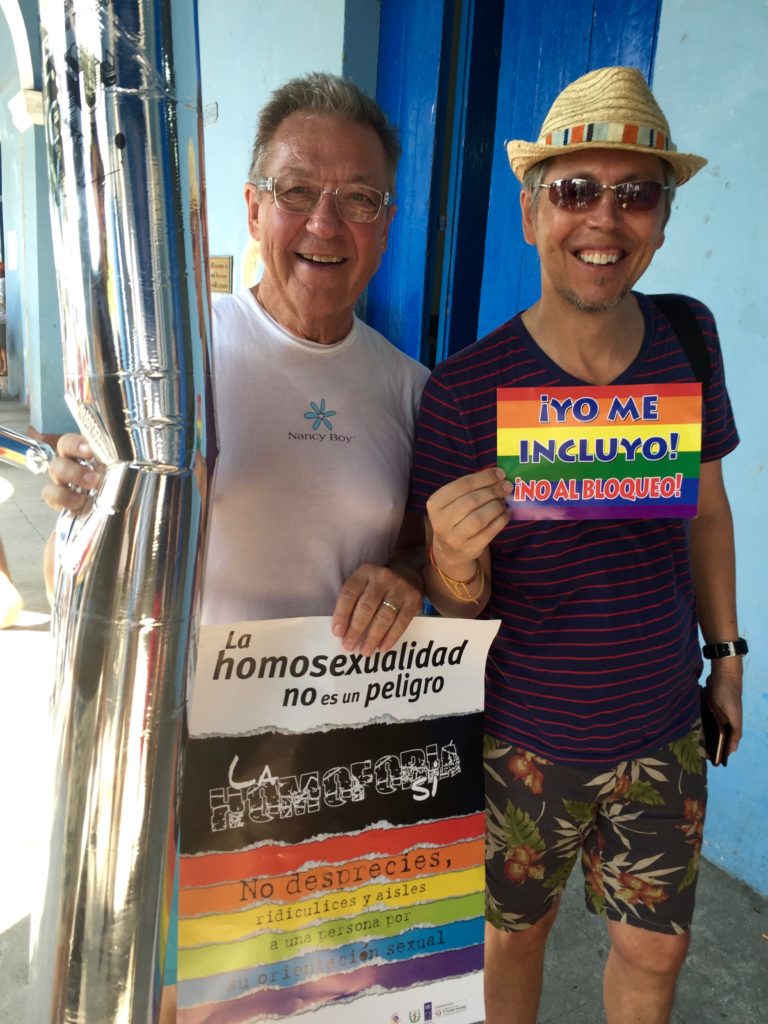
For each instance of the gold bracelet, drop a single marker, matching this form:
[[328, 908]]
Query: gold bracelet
[[462, 583], [460, 588]]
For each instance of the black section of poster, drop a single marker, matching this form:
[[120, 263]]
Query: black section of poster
[[274, 787]]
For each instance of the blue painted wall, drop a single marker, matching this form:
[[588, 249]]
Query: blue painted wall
[[36, 372], [711, 81], [11, 158], [245, 52]]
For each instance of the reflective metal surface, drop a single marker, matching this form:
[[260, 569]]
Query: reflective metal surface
[[122, 104], [18, 450]]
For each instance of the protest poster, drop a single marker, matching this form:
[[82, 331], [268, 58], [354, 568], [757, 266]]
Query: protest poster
[[601, 452], [332, 827]]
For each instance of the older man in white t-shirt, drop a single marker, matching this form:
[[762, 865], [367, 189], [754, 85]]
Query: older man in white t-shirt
[[315, 410]]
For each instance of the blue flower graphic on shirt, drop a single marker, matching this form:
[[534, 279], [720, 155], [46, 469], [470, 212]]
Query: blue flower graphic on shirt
[[320, 415]]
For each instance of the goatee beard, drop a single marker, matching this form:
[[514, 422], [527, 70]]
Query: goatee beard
[[591, 307]]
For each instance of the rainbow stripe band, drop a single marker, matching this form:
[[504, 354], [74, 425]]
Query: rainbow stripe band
[[276, 859], [274, 1003], [607, 131], [316, 965]]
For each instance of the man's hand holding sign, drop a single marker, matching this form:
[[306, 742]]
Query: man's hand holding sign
[[464, 517]]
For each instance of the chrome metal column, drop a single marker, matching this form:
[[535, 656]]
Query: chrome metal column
[[122, 101]]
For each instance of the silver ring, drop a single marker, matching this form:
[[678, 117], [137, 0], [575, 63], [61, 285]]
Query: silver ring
[[388, 604], [77, 489]]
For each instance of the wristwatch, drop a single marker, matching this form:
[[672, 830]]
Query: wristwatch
[[725, 649]]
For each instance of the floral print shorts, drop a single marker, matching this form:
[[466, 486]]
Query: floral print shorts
[[638, 826]]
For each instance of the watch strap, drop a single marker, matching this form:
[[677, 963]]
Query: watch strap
[[725, 649]]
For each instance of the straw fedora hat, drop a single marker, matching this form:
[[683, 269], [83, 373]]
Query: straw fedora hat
[[611, 108]]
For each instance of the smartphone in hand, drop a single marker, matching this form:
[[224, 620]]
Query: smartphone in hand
[[717, 730]]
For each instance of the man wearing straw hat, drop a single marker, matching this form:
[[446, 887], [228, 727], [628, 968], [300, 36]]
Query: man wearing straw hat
[[592, 697]]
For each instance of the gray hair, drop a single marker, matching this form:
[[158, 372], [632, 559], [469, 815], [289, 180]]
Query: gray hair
[[321, 93], [535, 175]]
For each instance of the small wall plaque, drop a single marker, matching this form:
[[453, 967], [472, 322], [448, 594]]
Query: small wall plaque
[[221, 273]]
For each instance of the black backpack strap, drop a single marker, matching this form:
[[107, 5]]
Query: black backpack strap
[[687, 328]]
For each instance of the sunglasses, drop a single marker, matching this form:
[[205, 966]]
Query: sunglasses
[[574, 194]]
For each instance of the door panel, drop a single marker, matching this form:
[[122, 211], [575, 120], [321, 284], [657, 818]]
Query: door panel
[[544, 47], [410, 89], [510, 61], [471, 157]]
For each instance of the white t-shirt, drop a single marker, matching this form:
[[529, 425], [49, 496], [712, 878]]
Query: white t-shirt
[[314, 459]]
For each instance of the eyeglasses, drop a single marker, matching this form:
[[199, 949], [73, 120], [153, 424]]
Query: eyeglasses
[[574, 194], [358, 203]]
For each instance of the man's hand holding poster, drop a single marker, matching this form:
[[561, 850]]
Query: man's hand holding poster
[[591, 452], [332, 826]]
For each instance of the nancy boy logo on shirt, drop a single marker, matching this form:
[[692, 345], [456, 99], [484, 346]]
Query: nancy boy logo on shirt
[[320, 415]]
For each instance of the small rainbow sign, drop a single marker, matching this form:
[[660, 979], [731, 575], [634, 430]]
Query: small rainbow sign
[[594, 452]]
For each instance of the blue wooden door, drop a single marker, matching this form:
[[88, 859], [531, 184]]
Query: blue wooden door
[[414, 53], [546, 45], [473, 127], [459, 77]]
